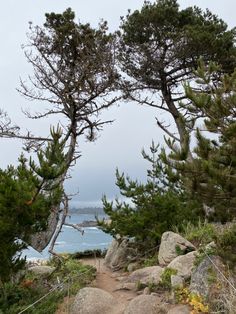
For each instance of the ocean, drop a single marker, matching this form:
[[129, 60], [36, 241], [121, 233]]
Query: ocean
[[71, 240]]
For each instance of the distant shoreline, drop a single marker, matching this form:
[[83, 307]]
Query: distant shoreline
[[87, 210]]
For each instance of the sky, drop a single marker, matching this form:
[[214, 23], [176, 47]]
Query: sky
[[119, 145]]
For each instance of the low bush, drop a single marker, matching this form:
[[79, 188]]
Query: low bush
[[201, 233], [69, 275]]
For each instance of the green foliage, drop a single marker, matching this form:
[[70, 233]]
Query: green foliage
[[166, 277], [27, 194], [211, 175], [199, 234], [151, 261], [161, 36], [16, 297], [157, 206], [89, 253], [226, 245], [159, 49], [180, 251]]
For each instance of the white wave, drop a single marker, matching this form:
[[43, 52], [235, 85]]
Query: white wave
[[35, 259], [95, 244], [60, 243], [68, 227], [91, 228]]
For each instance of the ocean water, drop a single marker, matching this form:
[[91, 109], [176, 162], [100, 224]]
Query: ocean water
[[71, 240]]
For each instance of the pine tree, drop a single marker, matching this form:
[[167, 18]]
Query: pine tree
[[153, 208], [28, 193], [211, 175], [159, 49]]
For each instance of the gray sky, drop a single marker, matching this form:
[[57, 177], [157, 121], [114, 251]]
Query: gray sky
[[119, 144]]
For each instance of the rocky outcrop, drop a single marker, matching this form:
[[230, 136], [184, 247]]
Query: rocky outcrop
[[93, 301], [145, 275], [119, 254], [171, 245], [87, 223], [184, 264], [205, 275], [148, 304]]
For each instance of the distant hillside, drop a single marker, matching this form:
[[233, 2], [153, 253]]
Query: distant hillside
[[87, 210]]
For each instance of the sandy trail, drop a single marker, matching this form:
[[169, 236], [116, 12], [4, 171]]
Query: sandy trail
[[107, 280]]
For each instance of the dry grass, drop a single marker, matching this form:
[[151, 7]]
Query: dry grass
[[224, 302]]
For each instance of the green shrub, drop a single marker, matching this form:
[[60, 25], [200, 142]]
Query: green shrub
[[225, 241], [151, 261], [166, 277], [201, 233], [70, 273]]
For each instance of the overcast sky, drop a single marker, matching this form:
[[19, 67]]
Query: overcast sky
[[119, 145]]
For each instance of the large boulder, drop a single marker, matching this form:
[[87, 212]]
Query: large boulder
[[93, 301], [145, 275], [184, 264], [119, 254], [205, 277], [149, 304], [171, 245], [180, 309], [42, 270]]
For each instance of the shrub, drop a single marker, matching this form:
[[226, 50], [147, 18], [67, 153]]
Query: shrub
[[201, 233], [71, 274], [166, 277]]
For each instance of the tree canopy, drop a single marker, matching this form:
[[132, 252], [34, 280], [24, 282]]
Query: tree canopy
[[74, 71], [210, 176], [160, 46], [28, 195]]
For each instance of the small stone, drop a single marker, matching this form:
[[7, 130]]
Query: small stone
[[131, 267], [127, 286], [210, 246], [146, 291], [180, 309]]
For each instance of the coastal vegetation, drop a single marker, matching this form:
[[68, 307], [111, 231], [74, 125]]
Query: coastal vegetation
[[181, 62], [67, 277]]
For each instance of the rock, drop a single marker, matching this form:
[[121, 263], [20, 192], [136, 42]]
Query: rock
[[132, 266], [148, 304], [210, 246], [170, 244], [176, 281], [119, 254], [184, 264], [127, 286], [205, 276], [93, 301], [146, 291], [180, 309], [42, 270], [145, 275]]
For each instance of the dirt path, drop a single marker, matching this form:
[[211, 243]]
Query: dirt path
[[108, 281]]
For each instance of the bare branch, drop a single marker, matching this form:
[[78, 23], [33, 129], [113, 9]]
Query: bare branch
[[165, 129]]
